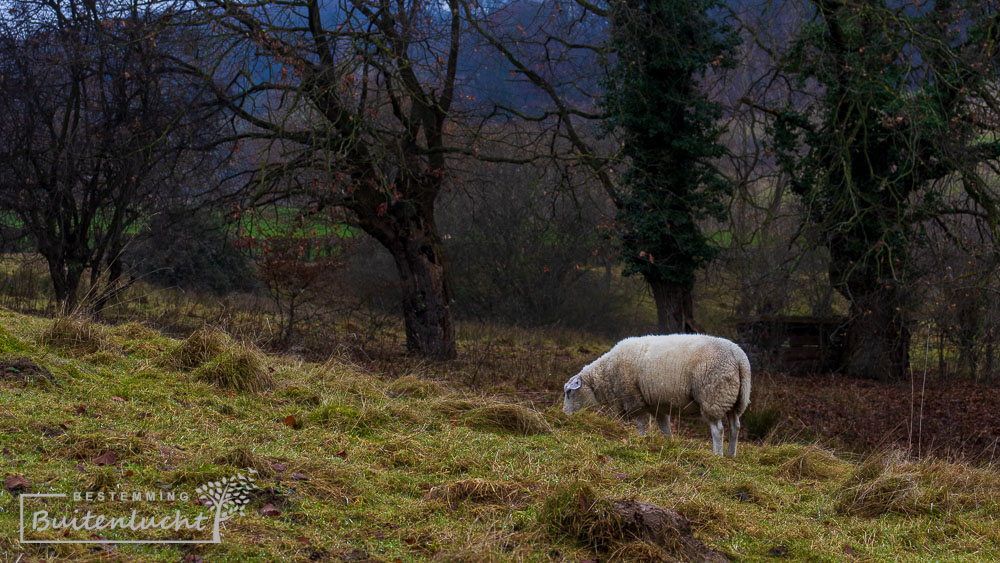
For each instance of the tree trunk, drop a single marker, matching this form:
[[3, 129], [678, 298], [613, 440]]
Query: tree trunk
[[878, 338], [674, 306], [413, 241], [65, 283]]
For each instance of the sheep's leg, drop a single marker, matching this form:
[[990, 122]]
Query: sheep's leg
[[734, 433], [716, 426], [640, 422], [663, 421]]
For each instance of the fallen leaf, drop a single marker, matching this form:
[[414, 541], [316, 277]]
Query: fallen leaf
[[303, 539], [342, 454], [16, 483], [270, 511], [848, 550], [107, 458], [291, 421], [117, 399], [279, 467], [192, 558], [621, 476], [81, 409], [299, 477]]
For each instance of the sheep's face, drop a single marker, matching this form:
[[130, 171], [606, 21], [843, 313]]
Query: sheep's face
[[576, 395]]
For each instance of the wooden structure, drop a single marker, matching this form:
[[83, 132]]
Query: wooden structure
[[795, 345]]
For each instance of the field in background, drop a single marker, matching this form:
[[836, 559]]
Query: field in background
[[947, 415], [359, 464]]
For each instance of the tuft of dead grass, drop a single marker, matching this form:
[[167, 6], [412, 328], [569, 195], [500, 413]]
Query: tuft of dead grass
[[413, 386], [480, 491], [587, 421], [362, 419], [952, 486], [883, 483], [88, 446], [576, 512], [200, 347], [76, 335], [507, 418], [454, 406], [239, 367], [813, 463], [243, 457], [626, 529]]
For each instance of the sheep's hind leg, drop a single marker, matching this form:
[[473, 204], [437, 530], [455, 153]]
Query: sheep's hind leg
[[663, 421], [716, 426], [640, 422], [734, 433]]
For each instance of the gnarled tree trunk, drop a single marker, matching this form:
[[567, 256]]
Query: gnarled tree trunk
[[413, 241], [674, 306]]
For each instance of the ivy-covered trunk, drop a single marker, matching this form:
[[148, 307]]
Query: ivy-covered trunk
[[878, 332]]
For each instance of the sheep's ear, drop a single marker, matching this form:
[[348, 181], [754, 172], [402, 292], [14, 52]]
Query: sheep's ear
[[574, 382]]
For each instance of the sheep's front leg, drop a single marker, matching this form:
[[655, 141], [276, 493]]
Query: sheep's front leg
[[716, 426], [640, 422], [663, 421]]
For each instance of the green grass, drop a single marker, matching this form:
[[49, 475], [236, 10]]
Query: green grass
[[357, 464]]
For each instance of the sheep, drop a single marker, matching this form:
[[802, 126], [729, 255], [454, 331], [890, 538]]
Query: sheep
[[653, 375]]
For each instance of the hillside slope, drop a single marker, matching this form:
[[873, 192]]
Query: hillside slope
[[352, 467]]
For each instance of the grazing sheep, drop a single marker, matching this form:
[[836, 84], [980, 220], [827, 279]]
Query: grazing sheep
[[657, 374]]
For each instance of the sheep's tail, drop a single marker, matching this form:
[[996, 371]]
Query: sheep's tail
[[743, 399]]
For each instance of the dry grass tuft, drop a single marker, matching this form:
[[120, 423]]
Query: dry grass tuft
[[360, 420], [200, 347], [134, 330], [454, 406], [77, 335], [587, 421], [813, 463], [87, 447], [577, 513], [480, 491], [413, 386], [504, 417], [882, 483], [243, 457], [952, 486], [627, 529], [239, 367]]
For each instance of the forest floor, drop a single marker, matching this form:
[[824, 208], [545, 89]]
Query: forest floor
[[389, 459]]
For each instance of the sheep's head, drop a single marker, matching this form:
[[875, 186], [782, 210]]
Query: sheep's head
[[577, 395]]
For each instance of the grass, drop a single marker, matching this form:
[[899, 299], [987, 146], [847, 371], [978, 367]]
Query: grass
[[379, 466]]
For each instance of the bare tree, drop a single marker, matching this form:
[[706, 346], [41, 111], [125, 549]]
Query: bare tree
[[348, 105], [93, 129]]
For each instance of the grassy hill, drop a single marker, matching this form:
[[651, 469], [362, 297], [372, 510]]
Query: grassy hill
[[351, 466]]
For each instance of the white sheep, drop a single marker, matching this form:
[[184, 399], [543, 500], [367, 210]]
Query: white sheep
[[658, 374]]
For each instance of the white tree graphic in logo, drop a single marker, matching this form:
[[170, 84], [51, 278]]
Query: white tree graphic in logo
[[228, 497]]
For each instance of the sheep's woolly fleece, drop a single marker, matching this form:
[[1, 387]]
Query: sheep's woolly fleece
[[678, 371]]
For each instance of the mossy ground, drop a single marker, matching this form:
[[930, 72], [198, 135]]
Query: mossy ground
[[356, 466]]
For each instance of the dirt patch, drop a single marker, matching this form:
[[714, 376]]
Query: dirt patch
[[624, 528], [668, 529], [24, 370]]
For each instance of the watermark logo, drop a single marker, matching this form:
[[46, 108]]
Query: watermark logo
[[80, 517]]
